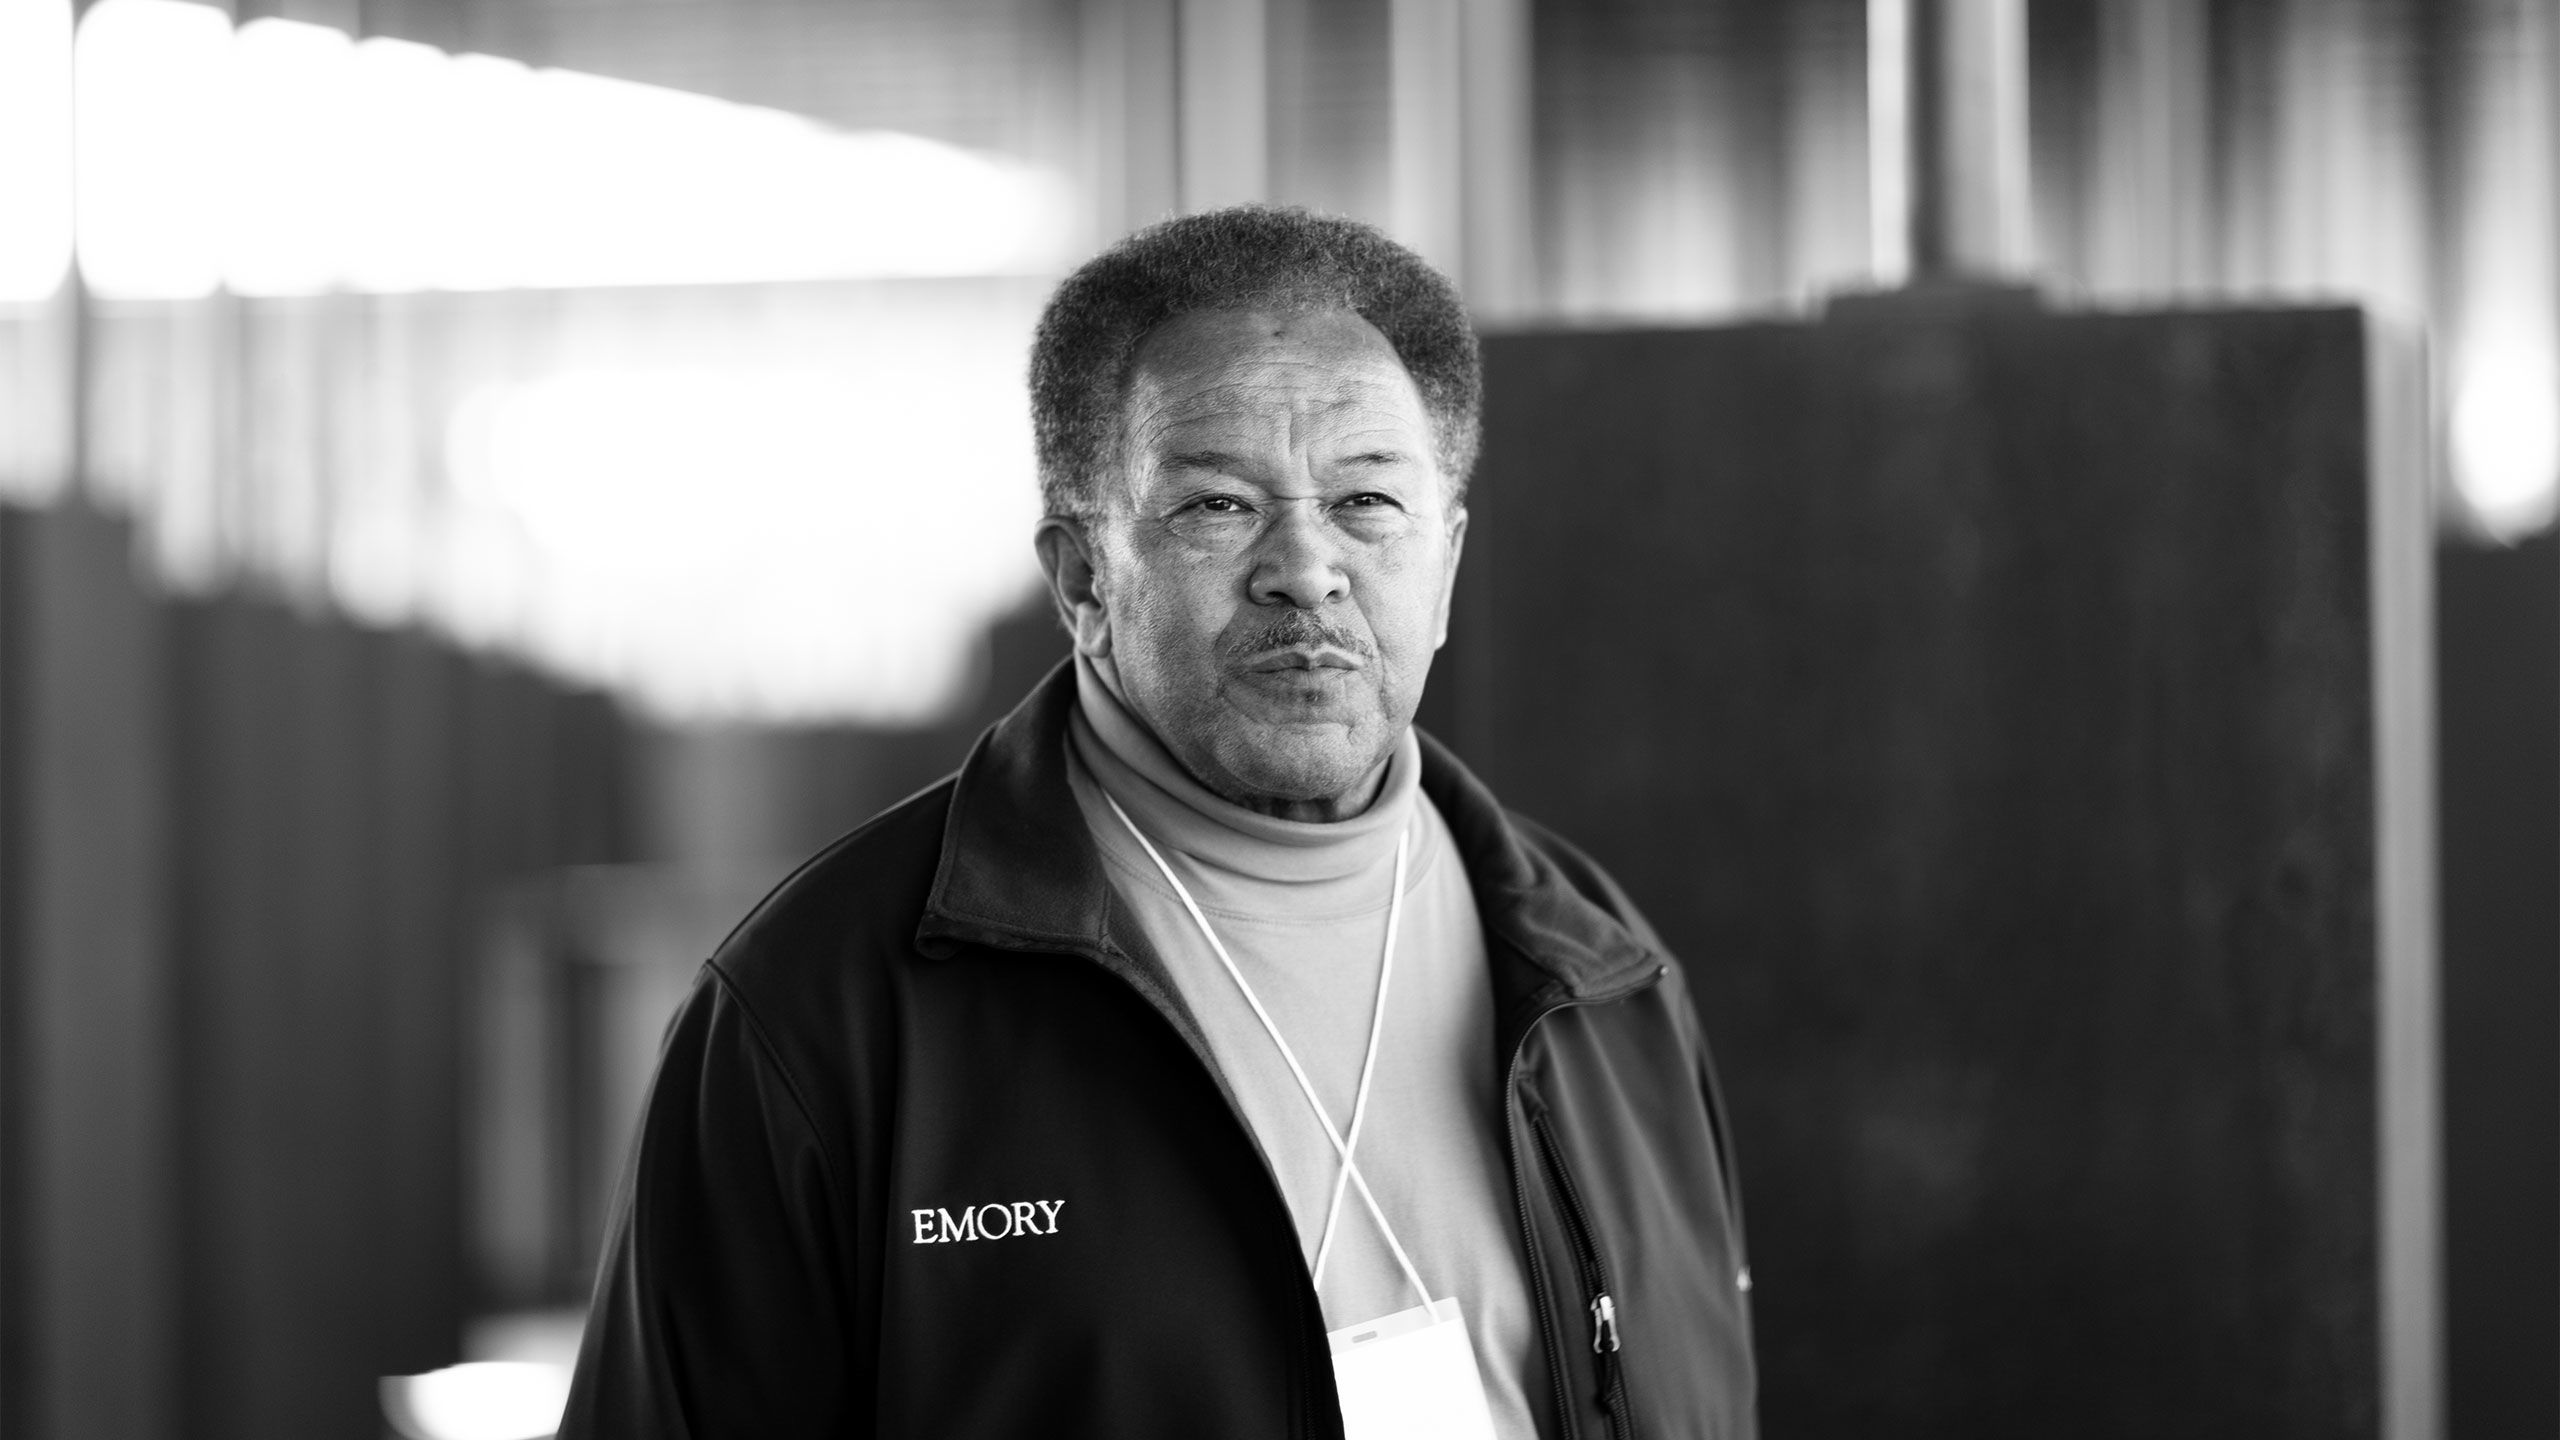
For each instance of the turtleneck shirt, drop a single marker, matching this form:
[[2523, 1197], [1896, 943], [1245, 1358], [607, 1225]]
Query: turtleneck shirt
[[1301, 908]]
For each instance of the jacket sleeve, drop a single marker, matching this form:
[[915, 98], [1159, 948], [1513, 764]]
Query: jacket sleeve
[[1711, 1094], [721, 1302]]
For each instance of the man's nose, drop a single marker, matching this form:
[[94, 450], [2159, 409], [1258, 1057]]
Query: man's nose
[[1299, 562]]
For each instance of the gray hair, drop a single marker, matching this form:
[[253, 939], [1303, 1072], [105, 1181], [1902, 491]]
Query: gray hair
[[1247, 257]]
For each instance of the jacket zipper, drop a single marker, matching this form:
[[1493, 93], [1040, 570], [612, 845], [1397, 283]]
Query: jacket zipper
[[1595, 1279], [1603, 1306], [1310, 1384], [1540, 1294]]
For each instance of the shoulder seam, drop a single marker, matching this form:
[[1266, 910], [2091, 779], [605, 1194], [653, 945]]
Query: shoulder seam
[[790, 1082]]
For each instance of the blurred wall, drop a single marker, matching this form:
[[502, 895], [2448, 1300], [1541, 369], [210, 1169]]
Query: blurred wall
[[245, 849]]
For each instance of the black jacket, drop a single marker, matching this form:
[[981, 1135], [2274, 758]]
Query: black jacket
[[947, 1024]]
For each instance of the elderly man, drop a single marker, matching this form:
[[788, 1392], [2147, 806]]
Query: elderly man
[[1212, 1055]]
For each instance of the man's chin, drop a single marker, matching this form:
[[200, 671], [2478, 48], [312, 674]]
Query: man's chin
[[1318, 763]]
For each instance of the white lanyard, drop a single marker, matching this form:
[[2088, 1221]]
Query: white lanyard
[[1343, 1147]]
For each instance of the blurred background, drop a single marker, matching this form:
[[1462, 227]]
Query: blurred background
[[487, 485]]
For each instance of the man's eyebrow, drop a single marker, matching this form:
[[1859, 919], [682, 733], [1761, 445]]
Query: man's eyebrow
[[1212, 460]]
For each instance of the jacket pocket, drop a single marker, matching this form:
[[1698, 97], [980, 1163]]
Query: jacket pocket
[[1600, 1301]]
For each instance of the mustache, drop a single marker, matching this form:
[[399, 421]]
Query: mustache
[[1298, 630]]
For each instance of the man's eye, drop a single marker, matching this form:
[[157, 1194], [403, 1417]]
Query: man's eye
[[1219, 505], [1368, 500]]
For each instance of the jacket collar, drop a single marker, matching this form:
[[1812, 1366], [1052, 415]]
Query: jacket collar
[[1019, 871]]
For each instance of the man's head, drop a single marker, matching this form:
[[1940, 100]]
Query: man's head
[[1254, 429]]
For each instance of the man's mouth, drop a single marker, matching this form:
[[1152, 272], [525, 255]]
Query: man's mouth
[[1315, 657]]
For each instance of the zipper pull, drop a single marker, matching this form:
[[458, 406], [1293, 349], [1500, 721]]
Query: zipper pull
[[1604, 1324]]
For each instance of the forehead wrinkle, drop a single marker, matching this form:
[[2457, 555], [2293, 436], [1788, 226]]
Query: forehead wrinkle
[[1185, 397], [1240, 403]]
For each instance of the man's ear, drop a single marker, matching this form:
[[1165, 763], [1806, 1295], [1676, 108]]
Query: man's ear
[[1449, 581], [1066, 551]]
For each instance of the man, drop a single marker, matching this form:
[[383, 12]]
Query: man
[[1212, 1055]]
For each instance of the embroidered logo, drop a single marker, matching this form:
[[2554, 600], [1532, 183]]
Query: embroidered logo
[[935, 1226]]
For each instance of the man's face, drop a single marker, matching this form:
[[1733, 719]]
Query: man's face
[[1273, 573]]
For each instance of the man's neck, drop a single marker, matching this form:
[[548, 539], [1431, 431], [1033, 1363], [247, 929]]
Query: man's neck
[[1324, 811]]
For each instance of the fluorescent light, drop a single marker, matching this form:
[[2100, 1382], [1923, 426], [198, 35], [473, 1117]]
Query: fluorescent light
[[290, 160], [2506, 438], [35, 146], [154, 96], [487, 178], [291, 154], [784, 544], [401, 109], [1889, 156], [2501, 341]]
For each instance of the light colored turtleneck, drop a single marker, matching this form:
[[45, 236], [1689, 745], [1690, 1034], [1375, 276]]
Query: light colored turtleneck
[[1302, 909]]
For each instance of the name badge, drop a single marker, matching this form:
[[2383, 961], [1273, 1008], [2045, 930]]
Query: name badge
[[1410, 1376]]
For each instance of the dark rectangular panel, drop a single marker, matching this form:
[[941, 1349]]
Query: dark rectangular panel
[[347, 802], [418, 943], [282, 1107], [1983, 703], [91, 1296], [2500, 647]]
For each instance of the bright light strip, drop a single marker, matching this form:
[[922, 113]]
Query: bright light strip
[[35, 146], [482, 1400], [408, 101], [291, 151], [288, 159], [154, 88], [777, 543], [1889, 159], [2506, 436], [2502, 345]]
